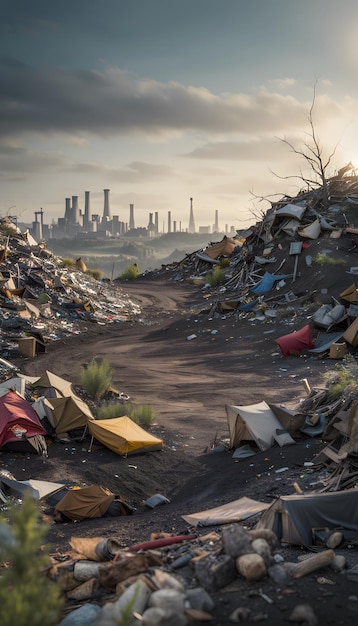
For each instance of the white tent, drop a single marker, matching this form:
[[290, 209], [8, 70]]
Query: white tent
[[256, 423]]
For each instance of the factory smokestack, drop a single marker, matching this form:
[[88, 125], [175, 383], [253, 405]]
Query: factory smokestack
[[87, 208], [216, 225], [107, 217], [191, 228], [75, 211], [68, 209], [131, 217]]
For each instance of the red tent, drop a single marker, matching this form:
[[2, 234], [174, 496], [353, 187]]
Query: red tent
[[20, 427], [295, 342]]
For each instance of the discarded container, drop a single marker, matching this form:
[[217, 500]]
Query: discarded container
[[85, 570], [338, 350], [27, 346], [107, 549]]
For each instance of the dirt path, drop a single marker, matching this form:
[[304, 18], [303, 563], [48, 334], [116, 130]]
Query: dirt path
[[188, 382]]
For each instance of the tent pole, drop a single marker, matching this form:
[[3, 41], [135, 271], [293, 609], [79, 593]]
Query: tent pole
[[90, 446], [84, 433]]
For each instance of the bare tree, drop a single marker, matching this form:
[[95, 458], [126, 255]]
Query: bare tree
[[313, 154]]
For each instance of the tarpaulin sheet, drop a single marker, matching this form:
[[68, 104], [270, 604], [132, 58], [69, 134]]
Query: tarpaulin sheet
[[267, 282]]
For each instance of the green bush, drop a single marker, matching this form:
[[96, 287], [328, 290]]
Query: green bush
[[27, 595], [143, 414], [131, 272], [97, 274], [96, 378], [68, 262], [215, 277], [114, 409]]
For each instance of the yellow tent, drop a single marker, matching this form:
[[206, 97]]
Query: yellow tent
[[123, 436]]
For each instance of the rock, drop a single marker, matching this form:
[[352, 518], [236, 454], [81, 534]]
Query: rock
[[84, 616], [236, 541], [134, 599], [199, 599], [303, 613], [215, 571], [251, 566], [278, 574]]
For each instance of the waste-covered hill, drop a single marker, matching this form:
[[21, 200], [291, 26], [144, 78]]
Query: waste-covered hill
[[219, 327]]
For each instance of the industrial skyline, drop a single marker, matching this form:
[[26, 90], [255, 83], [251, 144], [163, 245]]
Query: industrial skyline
[[78, 222]]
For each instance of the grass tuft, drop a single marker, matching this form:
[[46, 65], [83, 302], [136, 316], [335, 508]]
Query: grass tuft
[[142, 414], [131, 272], [96, 378]]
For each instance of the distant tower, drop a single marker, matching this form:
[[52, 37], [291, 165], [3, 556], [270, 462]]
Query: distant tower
[[156, 221], [169, 222], [68, 209], [191, 228], [131, 217], [107, 217], [86, 217], [151, 225], [216, 226], [75, 213]]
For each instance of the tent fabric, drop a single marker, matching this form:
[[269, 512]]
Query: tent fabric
[[267, 282], [235, 511], [50, 380], [123, 436], [80, 504], [62, 407], [16, 382], [291, 420], [223, 248], [37, 489], [257, 423], [295, 342], [20, 427], [293, 518], [68, 414]]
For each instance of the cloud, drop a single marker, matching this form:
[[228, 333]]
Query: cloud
[[20, 161], [283, 83], [138, 171], [54, 100], [254, 150]]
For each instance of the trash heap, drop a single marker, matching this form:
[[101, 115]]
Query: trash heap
[[172, 580], [43, 300], [284, 260]]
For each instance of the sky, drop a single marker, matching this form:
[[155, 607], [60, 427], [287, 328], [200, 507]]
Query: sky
[[161, 101]]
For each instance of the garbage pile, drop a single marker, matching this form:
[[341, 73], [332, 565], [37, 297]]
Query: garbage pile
[[172, 580], [43, 300], [285, 261]]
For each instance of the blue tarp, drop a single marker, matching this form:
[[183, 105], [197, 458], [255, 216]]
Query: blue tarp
[[267, 282], [248, 306]]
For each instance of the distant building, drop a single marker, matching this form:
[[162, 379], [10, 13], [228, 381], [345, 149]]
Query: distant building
[[191, 228]]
